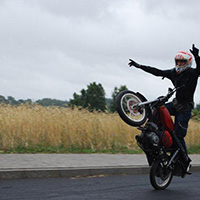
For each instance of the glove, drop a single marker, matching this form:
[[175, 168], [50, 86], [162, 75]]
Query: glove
[[133, 63], [194, 51]]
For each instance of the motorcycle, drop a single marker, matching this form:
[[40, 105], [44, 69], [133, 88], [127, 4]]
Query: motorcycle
[[166, 156]]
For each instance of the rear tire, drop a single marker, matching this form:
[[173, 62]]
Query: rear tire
[[131, 115], [160, 177]]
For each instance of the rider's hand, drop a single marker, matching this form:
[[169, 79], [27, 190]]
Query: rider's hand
[[194, 51], [133, 63]]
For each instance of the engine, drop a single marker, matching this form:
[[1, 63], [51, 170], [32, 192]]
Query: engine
[[151, 137]]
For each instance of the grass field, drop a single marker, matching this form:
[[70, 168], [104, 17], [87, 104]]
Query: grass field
[[51, 129]]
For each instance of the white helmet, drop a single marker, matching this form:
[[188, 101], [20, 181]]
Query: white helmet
[[183, 61]]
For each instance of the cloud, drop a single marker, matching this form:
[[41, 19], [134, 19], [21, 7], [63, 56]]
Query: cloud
[[55, 48]]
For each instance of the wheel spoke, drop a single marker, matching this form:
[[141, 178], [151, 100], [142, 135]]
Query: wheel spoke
[[124, 103], [126, 99], [128, 105], [130, 114]]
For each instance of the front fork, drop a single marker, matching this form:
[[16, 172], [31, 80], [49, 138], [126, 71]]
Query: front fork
[[173, 159], [166, 160]]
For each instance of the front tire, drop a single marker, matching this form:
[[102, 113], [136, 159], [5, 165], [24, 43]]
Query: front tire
[[160, 177], [127, 109]]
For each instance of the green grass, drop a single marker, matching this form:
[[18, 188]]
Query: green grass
[[194, 150], [40, 149]]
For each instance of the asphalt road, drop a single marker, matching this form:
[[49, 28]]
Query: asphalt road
[[99, 188]]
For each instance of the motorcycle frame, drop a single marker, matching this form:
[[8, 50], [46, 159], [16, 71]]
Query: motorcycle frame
[[177, 152]]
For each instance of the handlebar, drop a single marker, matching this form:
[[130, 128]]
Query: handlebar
[[161, 99]]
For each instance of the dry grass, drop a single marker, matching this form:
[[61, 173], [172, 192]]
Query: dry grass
[[193, 136], [51, 126]]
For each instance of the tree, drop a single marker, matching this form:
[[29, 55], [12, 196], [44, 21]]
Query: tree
[[27, 101], [51, 102], [114, 95], [198, 107], [12, 100], [95, 97], [92, 98], [3, 99], [76, 101]]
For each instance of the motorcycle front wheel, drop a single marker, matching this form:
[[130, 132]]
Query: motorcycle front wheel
[[128, 110], [160, 177]]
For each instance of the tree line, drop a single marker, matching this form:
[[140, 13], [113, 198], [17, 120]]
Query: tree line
[[92, 98], [43, 102]]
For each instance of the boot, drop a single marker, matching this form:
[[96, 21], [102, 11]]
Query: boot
[[187, 167]]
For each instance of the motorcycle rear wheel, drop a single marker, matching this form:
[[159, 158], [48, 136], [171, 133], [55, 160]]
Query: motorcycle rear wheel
[[160, 177], [134, 116]]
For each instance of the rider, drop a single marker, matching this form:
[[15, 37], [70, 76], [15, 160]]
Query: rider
[[185, 77]]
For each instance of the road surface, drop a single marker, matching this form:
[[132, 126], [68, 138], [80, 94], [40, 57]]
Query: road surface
[[135, 187]]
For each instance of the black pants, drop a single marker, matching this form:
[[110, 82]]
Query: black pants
[[181, 123]]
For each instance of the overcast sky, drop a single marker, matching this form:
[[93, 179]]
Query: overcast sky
[[53, 48]]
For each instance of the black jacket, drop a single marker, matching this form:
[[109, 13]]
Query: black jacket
[[188, 78]]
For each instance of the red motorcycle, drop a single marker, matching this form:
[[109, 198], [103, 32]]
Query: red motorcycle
[[164, 152]]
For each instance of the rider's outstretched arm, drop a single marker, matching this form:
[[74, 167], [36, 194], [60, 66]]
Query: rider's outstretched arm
[[151, 70], [195, 53]]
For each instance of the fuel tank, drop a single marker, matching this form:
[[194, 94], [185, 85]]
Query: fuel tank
[[166, 119], [166, 139]]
